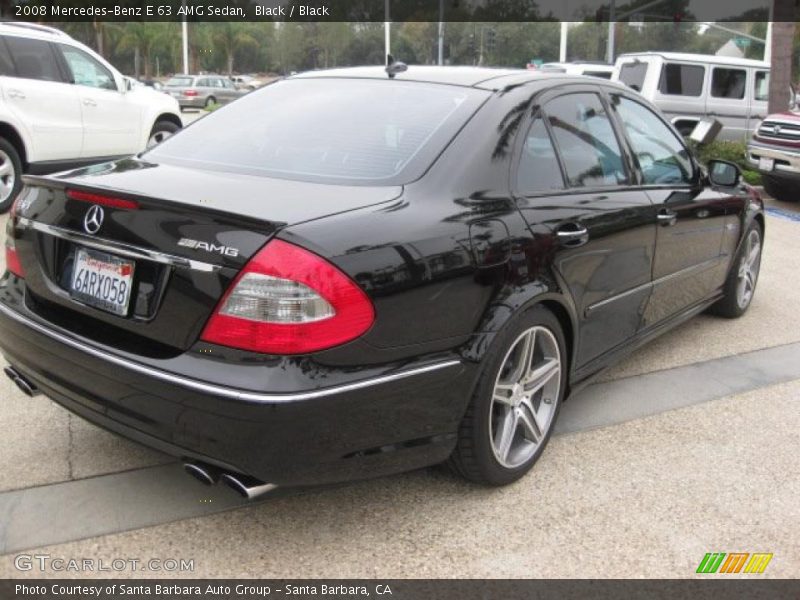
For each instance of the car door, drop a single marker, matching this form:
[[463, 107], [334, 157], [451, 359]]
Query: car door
[[574, 178], [727, 101], [44, 103], [112, 119], [688, 265]]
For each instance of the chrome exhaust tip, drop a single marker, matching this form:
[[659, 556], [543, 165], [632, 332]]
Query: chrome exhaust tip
[[27, 387], [205, 474], [246, 486]]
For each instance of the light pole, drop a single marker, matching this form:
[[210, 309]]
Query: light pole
[[387, 31], [440, 58], [185, 35]]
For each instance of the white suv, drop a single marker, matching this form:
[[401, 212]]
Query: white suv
[[63, 106]]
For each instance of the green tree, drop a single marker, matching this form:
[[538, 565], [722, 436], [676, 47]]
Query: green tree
[[143, 38], [231, 37]]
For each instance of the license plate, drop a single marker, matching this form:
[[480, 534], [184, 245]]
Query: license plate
[[766, 164], [102, 280]]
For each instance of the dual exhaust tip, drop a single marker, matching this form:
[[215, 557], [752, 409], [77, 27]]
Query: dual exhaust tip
[[23, 383], [246, 486]]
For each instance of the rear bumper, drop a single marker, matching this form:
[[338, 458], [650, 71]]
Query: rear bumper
[[385, 422]]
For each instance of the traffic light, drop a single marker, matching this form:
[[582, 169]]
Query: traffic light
[[490, 39]]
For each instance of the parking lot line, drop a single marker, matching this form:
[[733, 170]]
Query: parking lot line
[[73, 510]]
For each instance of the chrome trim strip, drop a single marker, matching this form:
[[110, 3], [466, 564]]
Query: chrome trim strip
[[118, 247], [218, 390], [653, 284]]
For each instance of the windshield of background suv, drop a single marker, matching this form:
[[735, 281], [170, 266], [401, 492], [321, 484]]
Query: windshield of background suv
[[179, 82], [328, 130]]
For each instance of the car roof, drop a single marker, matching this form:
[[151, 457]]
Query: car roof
[[487, 78], [32, 30], [700, 58]]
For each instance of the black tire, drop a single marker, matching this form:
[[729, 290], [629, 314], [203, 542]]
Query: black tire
[[474, 457], [13, 177], [210, 101], [781, 190], [166, 128], [730, 305]]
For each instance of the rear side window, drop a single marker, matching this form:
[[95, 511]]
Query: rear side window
[[682, 80], [761, 91], [328, 130], [728, 83], [6, 64], [538, 169], [34, 59], [632, 74], [586, 141]]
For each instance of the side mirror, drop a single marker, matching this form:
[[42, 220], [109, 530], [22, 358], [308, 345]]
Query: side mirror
[[723, 173]]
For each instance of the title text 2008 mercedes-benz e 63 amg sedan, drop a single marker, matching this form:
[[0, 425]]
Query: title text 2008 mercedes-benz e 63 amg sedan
[[346, 274]]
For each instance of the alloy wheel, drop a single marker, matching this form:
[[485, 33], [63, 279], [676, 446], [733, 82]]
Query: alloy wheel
[[748, 269], [525, 397], [7, 176]]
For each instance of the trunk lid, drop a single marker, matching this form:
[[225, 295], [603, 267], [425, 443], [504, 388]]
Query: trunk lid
[[188, 236]]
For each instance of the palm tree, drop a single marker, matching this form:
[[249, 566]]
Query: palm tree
[[230, 37], [780, 78], [142, 38]]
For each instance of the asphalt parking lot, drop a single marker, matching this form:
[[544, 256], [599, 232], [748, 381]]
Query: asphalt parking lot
[[688, 447]]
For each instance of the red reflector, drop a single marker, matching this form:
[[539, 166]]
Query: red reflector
[[12, 261], [320, 284], [190, 92], [102, 200]]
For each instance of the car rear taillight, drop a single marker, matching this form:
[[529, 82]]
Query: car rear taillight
[[288, 300], [190, 93], [12, 258]]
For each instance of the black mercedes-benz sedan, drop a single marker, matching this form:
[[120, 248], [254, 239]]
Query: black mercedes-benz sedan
[[346, 274]]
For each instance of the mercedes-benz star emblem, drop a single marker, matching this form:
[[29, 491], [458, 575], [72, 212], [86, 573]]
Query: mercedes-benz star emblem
[[93, 220]]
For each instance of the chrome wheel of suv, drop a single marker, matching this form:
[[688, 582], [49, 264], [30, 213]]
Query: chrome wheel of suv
[[8, 177]]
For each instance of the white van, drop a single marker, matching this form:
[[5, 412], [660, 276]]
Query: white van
[[691, 87]]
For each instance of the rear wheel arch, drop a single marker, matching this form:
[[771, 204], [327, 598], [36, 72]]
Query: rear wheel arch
[[12, 136], [537, 295], [169, 118]]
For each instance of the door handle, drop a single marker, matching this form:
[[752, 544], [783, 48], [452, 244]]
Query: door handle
[[666, 217], [89, 102], [16, 94], [572, 235]]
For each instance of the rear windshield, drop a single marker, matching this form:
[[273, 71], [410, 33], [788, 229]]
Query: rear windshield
[[353, 131], [632, 74], [179, 82]]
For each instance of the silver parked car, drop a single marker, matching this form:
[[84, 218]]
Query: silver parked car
[[202, 91]]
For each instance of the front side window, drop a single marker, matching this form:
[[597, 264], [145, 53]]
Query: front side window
[[682, 80], [361, 132], [6, 64], [538, 169], [86, 70], [663, 159], [586, 141], [728, 83], [34, 59], [761, 91]]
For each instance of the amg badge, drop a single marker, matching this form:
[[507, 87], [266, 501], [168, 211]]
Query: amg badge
[[208, 247]]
